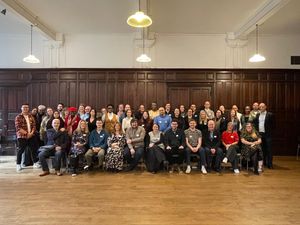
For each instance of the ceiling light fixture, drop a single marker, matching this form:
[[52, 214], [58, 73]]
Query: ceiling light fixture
[[257, 57], [31, 58], [143, 58], [139, 19]]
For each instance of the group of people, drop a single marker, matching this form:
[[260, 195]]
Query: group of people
[[160, 137]]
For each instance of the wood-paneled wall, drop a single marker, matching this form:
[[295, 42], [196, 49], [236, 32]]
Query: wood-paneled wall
[[278, 88]]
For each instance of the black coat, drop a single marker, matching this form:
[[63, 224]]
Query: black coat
[[269, 123], [174, 139], [215, 142]]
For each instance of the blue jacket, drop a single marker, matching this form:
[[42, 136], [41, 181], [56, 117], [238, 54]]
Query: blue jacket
[[98, 140], [164, 122]]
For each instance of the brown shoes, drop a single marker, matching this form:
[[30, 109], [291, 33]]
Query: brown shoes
[[45, 173]]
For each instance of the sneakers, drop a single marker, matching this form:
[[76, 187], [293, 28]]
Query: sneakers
[[225, 160], [58, 173], [259, 169], [36, 165], [203, 170], [188, 169], [86, 167], [74, 174], [18, 168], [236, 171]]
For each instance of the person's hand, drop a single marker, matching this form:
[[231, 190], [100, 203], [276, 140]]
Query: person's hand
[[194, 149], [132, 151], [57, 148], [62, 129], [114, 145], [252, 145], [96, 149], [29, 135], [129, 141], [168, 148], [151, 145], [213, 151]]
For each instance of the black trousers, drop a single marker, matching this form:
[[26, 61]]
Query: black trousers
[[267, 149], [175, 155], [23, 143]]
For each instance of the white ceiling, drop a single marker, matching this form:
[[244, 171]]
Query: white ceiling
[[169, 16]]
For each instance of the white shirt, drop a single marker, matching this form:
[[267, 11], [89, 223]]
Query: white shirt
[[126, 123], [261, 124]]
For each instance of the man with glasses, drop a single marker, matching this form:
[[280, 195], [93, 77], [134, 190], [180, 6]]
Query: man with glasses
[[25, 128]]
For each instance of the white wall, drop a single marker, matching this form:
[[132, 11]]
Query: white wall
[[169, 51]]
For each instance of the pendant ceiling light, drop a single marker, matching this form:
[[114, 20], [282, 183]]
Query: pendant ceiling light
[[139, 19], [31, 58], [143, 58], [257, 57]]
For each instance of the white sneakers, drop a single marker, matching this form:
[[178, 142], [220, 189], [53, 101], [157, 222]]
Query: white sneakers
[[36, 165], [236, 171], [203, 170], [19, 168], [225, 160], [188, 169]]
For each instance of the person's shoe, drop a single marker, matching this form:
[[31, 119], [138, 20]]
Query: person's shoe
[[86, 167], [172, 169], [236, 171], [74, 174], [203, 170], [18, 168], [166, 164], [23, 166], [128, 169], [218, 170], [179, 170], [225, 160], [36, 165], [271, 167], [256, 172], [44, 173], [260, 169], [188, 169], [58, 173]]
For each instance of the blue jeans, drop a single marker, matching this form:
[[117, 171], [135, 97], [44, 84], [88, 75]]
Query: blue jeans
[[46, 153], [133, 161], [200, 152]]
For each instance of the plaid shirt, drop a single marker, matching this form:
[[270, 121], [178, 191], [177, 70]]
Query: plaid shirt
[[20, 123]]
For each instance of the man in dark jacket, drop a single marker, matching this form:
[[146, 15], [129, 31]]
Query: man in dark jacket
[[175, 145], [56, 142], [212, 143], [265, 123]]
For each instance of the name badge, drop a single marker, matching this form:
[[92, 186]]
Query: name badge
[[231, 136], [177, 135], [166, 121], [159, 121], [215, 136], [191, 136], [102, 136], [137, 135]]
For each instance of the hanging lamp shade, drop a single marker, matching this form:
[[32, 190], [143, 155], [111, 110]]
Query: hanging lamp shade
[[257, 57], [143, 58], [139, 19], [31, 58]]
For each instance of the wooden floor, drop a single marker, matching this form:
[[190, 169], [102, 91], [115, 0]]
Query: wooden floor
[[144, 198]]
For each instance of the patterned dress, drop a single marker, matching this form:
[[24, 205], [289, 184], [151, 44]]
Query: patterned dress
[[114, 156], [247, 151]]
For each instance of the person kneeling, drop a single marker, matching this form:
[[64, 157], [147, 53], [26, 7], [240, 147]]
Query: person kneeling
[[56, 145]]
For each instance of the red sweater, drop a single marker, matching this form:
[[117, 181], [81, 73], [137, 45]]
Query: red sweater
[[229, 138]]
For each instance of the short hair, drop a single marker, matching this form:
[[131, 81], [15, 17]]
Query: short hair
[[110, 105], [25, 104], [42, 107], [192, 120], [175, 120], [62, 104], [99, 119], [133, 121]]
